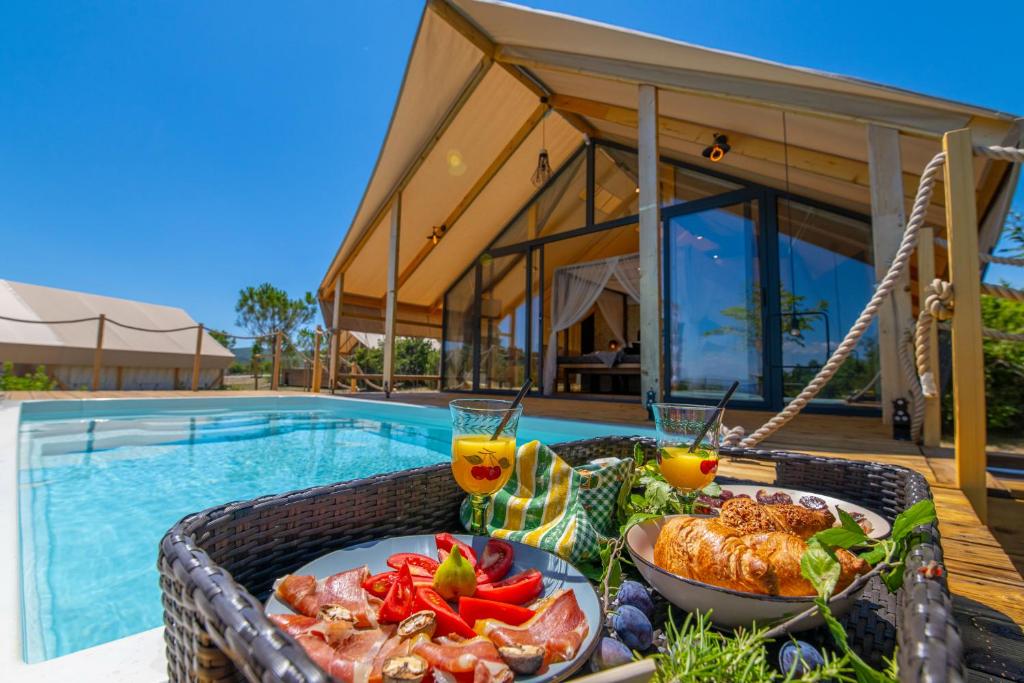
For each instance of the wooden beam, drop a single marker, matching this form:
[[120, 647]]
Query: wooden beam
[[753, 147], [275, 373], [887, 222], [650, 244], [332, 366], [314, 384], [479, 186], [337, 265], [391, 297], [931, 430], [968, 358]]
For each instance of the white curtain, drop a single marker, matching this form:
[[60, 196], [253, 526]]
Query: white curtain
[[610, 305], [575, 290]]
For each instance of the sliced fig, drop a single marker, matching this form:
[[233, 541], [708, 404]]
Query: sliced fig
[[813, 503], [423, 622], [409, 669], [333, 612], [523, 659]]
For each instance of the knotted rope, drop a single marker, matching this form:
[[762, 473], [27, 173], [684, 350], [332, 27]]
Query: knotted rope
[[938, 305]]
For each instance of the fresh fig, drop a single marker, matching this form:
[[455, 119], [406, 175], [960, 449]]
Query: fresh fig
[[456, 577]]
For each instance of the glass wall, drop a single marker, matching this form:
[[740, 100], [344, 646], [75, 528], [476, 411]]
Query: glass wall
[[715, 321], [826, 275], [503, 322], [459, 337]]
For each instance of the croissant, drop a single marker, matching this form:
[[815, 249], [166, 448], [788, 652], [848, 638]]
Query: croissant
[[706, 550], [748, 517], [782, 552]]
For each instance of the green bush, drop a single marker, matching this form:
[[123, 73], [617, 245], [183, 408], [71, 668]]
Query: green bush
[[33, 381]]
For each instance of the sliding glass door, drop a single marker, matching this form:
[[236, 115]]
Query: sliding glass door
[[715, 308]]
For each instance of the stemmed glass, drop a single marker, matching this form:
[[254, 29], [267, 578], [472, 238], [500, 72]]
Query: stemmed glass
[[687, 463], [482, 457]]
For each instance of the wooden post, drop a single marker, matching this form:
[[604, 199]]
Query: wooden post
[[276, 370], [391, 297], [650, 244], [332, 365], [317, 369], [97, 357], [968, 359], [888, 219], [196, 362], [120, 378], [931, 430], [176, 380]]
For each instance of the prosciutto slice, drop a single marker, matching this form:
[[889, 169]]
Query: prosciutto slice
[[306, 595], [477, 657], [350, 661], [295, 625], [559, 626]]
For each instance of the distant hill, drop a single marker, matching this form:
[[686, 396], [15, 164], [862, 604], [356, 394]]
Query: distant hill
[[243, 354]]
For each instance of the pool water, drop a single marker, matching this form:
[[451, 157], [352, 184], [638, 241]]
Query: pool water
[[101, 481]]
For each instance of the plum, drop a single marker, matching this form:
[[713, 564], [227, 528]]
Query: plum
[[610, 653], [633, 593], [633, 627], [797, 658], [813, 503]]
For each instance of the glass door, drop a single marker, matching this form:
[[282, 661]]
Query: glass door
[[715, 309]]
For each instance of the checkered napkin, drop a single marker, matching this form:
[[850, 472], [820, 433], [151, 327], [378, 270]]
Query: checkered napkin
[[551, 505]]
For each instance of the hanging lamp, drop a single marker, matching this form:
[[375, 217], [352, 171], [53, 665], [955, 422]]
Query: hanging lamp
[[542, 174]]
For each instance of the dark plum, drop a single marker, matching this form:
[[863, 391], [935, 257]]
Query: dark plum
[[633, 627], [633, 593], [610, 653], [798, 658]]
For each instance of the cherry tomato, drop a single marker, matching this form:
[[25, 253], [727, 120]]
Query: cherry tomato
[[419, 565], [445, 543], [496, 562], [473, 609], [379, 584], [448, 621], [399, 601], [518, 589]]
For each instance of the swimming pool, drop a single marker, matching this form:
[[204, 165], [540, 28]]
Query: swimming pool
[[100, 481]]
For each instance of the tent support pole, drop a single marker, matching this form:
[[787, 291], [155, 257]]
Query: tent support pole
[[196, 362], [317, 368], [887, 222], [332, 368], [276, 370], [391, 297], [650, 219], [97, 357]]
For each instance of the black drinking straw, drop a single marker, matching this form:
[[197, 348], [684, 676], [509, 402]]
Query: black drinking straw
[[714, 416], [515, 403]]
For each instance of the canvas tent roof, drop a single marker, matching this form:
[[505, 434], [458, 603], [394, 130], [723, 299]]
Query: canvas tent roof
[[464, 135], [74, 344]]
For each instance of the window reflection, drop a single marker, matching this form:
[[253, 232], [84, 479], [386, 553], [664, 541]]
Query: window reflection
[[826, 276]]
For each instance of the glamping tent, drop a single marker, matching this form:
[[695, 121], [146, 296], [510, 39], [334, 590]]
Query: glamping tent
[[130, 359], [763, 201]]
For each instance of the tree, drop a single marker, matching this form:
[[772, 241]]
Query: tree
[[265, 310], [223, 338], [1013, 231]]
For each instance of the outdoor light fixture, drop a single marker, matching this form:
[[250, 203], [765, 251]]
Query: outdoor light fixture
[[794, 326], [542, 174], [717, 151], [436, 233]]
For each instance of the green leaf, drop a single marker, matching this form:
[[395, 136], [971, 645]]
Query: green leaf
[[474, 459], [713, 489], [819, 566], [839, 537], [504, 462], [591, 570], [849, 523], [637, 518], [922, 512], [637, 499], [893, 578], [638, 455], [863, 671], [874, 556]]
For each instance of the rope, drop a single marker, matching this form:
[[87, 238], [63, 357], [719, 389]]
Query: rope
[[938, 305], [913, 384], [1004, 260], [1001, 153], [854, 397], [144, 329], [1002, 291], [884, 288], [48, 322]]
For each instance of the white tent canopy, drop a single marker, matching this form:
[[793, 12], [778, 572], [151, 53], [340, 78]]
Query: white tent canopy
[[74, 344], [576, 289]]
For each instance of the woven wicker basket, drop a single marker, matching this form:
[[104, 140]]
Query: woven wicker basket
[[217, 565]]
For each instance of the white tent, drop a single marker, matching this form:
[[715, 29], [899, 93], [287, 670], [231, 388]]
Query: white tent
[[131, 359]]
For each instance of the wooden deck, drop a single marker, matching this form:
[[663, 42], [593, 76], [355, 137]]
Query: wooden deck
[[984, 563]]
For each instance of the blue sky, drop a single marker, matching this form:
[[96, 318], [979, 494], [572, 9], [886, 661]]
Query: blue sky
[[175, 152]]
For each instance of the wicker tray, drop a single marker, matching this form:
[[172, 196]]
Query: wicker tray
[[217, 565]]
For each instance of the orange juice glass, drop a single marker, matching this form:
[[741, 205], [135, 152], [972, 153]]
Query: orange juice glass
[[483, 456], [687, 467]]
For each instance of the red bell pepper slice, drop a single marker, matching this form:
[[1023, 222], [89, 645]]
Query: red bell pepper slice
[[496, 562], [419, 565], [448, 621], [399, 601], [379, 584], [518, 589], [444, 546], [473, 609]]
